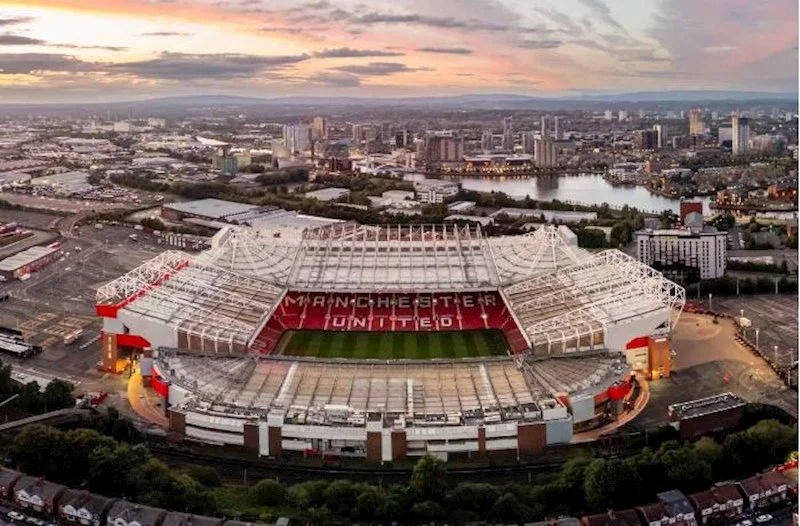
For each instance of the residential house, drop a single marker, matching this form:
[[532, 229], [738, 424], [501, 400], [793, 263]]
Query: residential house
[[175, 518], [612, 518], [673, 508], [720, 502], [81, 507], [31, 493], [7, 479], [764, 489], [123, 513]]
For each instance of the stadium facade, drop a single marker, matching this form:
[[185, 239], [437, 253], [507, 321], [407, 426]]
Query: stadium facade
[[576, 324]]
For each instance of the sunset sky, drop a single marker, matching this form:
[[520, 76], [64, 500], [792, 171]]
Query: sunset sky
[[93, 50]]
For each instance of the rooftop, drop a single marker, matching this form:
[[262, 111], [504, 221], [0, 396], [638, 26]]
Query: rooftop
[[705, 406], [26, 257], [213, 208]]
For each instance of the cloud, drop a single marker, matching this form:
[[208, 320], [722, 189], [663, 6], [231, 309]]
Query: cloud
[[15, 20], [335, 79], [181, 66], [601, 11], [346, 52], [378, 69], [446, 50], [165, 34], [540, 44], [32, 63], [719, 49], [19, 40]]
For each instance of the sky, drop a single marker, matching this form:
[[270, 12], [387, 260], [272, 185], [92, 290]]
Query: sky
[[105, 50]]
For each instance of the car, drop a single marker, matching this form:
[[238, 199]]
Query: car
[[16, 516], [31, 520], [761, 519], [746, 522]]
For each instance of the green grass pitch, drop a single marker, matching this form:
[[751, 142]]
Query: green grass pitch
[[393, 345]]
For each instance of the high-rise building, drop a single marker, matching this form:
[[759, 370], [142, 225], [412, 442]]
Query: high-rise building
[[297, 137], [319, 129], [487, 141], [558, 131], [609, 115], [528, 142], [402, 138], [683, 253], [443, 147], [741, 134], [623, 115], [696, 124], [508, 134], [545, 126], [789, 116], [714, 116], [641, 113], [661, 139], [357, 133], [545, 153], [645, 139]]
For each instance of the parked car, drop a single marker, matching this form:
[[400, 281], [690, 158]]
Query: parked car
[[16, 516], [762, 519], [746, 522]]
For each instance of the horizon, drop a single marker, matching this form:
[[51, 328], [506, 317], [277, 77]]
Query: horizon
[[83, 51]]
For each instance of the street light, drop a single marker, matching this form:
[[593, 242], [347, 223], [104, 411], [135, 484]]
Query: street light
[[776, 355], [757, 339], [710, 308]]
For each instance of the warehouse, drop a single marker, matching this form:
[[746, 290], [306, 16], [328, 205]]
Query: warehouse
[[28, 261]]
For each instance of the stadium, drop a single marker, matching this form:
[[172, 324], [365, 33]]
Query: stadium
[[390, 342]]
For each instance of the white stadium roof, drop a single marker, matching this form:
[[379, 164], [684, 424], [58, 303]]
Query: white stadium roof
[[563, 298]]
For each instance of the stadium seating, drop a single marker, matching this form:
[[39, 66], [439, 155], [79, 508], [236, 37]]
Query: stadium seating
[[390, 312]]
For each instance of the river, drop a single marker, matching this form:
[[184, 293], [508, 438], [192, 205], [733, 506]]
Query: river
[[583, 189]]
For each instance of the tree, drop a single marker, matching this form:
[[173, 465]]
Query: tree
[[608, 482], [269, 492], [428, 478], [58, 395], [428, 511], [30, 398], [340, 496], [370, 505], [36, 450], [509, 509], [308, 494], [471, 496], [684, 468]]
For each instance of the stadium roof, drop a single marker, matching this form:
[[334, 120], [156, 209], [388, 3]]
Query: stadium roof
[[563, 298]]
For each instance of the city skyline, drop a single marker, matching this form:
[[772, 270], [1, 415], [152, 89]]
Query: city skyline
[[93, 50]]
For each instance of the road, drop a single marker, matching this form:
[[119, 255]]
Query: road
[[790, 256]]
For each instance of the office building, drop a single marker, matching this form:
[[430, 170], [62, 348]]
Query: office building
[[545, 153], [645, 139], [319, 129], [297, 137], [623, 115], [741, 134], [714, 116], [487, 141], [357, 133], [696, 124], [443, 147], [661, 136], [609, 115], [528, 143], [546, 126], [789, 116], [688, 207], [435, 190], [402, 139], [558, 131], [641, 113], [683, 253], [508, 134]]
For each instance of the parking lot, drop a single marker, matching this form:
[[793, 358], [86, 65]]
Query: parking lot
[[60, 298], [708, 361], [775, 317]]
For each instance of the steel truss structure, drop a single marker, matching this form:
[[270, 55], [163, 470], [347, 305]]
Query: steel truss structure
[[570, 309], [563, 298]]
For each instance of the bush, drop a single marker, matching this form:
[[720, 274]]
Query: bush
[[269, 492]]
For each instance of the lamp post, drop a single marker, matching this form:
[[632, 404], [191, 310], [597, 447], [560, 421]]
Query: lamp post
[[710, 308], [757, 339], [776, 355]]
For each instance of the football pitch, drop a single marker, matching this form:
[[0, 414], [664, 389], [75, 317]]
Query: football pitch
[[393, 345]]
